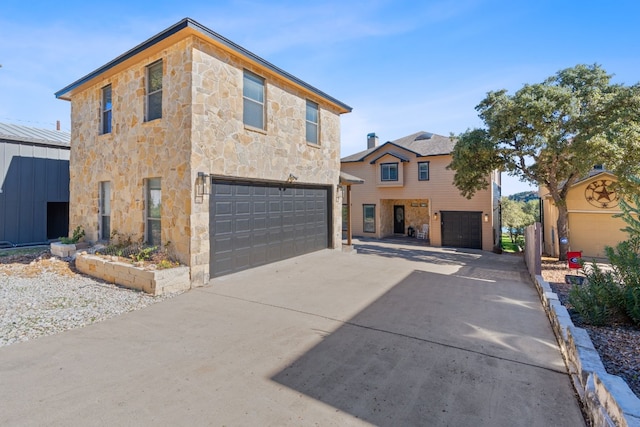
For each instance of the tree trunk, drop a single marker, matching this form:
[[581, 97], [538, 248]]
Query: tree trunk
[[563, 231]]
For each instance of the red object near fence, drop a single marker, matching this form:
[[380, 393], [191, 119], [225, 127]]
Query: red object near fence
[[573, 259]]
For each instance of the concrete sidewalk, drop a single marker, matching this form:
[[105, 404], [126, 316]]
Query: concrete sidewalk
[[394, 335]]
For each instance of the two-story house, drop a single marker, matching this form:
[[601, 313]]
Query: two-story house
[[191, 141], [407, 186]]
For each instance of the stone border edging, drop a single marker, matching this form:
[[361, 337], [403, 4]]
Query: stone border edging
[[154, 282], [607, 399]]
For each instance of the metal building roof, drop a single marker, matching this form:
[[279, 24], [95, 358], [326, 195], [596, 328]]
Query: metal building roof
[[19, 133]]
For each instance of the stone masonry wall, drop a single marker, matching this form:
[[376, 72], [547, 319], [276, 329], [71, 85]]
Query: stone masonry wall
[[134, 151], [223, 146], [201, 130]]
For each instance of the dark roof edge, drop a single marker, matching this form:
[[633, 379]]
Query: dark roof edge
[[34, 141], [366, 154], [389, 153], [190, 23]]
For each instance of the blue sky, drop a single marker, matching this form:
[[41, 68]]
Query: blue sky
[[404, 66]]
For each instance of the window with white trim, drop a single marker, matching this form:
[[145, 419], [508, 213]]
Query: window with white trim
[[154, 91], [389, 172], [312, 122], [154, 208], [106, 109], [253, 100], [105, 210]]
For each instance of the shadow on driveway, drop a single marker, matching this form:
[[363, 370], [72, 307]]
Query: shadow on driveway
[[443, 350]]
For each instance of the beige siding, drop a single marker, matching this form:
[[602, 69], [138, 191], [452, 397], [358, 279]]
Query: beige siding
[[591, 228], [438, 193], [591, 232]]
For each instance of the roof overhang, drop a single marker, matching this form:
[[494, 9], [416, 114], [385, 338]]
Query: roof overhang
[[347, 179], [185, 28]]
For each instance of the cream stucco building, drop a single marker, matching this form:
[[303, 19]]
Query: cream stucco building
[[591, 203], [407, 184], [190, 140]]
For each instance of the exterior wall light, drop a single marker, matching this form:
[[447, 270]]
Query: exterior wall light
[[435, 216], [203, 184], [486, 217]]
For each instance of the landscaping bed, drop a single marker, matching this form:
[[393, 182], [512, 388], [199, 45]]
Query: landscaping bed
[[618, 344]]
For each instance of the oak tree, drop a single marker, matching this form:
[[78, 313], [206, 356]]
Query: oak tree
[[551, 134]]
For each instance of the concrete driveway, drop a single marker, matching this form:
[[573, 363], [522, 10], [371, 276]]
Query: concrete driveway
[[395, 335]]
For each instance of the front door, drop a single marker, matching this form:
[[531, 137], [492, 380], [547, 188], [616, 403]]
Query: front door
[[398, 219]]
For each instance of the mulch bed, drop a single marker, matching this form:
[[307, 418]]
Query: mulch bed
[[617, 344]]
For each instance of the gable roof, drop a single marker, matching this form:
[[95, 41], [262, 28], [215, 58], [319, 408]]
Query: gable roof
[[593, 173], [18, 133], [202, 31], [422, 144], [392, 154]]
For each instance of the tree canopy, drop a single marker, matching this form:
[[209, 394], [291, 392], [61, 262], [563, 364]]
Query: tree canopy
[[552, 133]]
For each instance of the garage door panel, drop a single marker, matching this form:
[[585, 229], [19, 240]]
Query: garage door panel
[[461, 229], [254, 224]]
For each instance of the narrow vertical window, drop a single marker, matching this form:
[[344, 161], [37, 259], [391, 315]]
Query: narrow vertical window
[[105, 210], [154, 208], [106, 109], [253, 96], [154, 91], [369, 218], [423, 171], [312, 122], [345, 216]]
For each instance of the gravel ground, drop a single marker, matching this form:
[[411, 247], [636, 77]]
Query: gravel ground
[[41, 295], [618, 345]]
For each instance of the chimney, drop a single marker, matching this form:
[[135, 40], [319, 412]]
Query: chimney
[[372, 140], [57, 124]]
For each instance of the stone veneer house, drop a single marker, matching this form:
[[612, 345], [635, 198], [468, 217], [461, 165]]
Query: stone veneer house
[[407, 184], [191, 141]]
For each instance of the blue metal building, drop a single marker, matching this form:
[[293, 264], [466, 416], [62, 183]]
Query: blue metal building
[[34, 184]]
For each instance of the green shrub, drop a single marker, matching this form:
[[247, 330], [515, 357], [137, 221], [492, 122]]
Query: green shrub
[[144, 253], [599, 299], [78, 234], [632, 303]]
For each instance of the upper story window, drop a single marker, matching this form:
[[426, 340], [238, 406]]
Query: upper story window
[[312, 122], [253, 97], [389, 172], [154, 91], [423, 171], [106, 109]]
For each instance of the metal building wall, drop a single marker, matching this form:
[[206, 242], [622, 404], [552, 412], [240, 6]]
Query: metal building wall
[[31, 175]]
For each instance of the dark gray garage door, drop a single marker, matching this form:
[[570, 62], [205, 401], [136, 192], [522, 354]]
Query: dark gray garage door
[[252, 224], [462, 229]]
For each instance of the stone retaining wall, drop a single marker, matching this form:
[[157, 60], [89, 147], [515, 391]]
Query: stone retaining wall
[[607, 399], [154, 282]]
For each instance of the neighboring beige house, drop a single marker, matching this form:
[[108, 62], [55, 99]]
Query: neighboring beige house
[[591, 203], [407, 184], [191, 141]]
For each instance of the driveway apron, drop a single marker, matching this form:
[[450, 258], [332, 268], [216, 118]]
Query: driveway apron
[[395, 335]]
